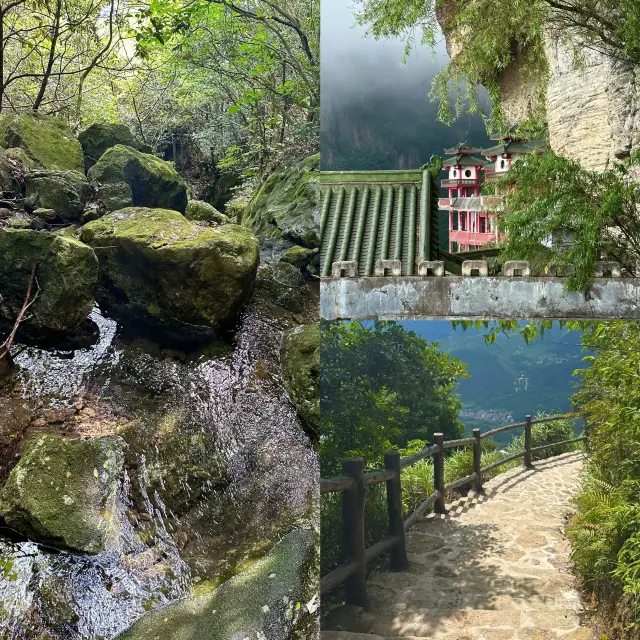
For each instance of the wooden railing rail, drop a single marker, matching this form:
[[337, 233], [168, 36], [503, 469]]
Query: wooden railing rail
[[353, 482]]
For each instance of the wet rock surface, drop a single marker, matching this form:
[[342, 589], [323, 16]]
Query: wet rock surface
[[272, 600], [63, 492]]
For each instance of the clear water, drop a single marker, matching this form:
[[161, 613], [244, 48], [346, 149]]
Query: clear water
[[228, 400]]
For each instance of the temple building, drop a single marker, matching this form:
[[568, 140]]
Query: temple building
[[472, 216]]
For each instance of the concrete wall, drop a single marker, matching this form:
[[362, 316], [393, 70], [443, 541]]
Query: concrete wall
[[411, 297]]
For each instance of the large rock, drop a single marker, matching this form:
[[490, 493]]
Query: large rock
[[63, 492], [201, 211], [97, 138], [287, 205], [273, 599], [66, 192], [45, 139], [141, 178], [300, 356], [67, 278], [169, 270]]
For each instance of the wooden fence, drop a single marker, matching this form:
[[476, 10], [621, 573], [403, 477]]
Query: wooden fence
[[354, 481]]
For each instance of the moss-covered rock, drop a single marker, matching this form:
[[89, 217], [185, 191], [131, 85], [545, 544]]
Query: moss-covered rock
[[300, 356], [45, 139], [67, 279], [66, 192], [298, 256], [287, 205], [97, 138], [171, 270], [200, 211], [153, 182], [63, 492], [272, 599]]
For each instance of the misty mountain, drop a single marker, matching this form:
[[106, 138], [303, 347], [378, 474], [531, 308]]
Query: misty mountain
[[376, 113]]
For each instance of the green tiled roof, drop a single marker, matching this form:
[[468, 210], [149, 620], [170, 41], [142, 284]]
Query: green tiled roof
[[464, 160], [373, 215], [462, 148], [515, 146]]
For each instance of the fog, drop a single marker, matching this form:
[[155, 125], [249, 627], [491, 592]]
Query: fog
[[375, 113]]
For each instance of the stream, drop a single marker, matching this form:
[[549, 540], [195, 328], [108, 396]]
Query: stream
[[218, 468]]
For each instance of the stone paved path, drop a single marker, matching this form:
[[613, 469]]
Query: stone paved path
[[496, 568]]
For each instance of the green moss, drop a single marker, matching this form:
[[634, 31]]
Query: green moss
[[66, 192], [287, 205], [63, 491], [67, 278], [153, 182], [298, 256], [301, 371], [203, 211], [45, 139], [97, 138], [165, 263]]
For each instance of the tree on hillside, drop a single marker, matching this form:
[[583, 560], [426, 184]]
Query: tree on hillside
[[381, 387], [488, 36]]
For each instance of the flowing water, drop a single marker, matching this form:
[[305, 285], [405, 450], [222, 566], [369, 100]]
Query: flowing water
[[218, 468]]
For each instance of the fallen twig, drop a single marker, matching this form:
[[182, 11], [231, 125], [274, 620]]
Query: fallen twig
[[5, 347]]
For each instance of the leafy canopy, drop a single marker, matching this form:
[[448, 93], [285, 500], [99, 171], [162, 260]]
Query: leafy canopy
[[561, 214], [382, 387]]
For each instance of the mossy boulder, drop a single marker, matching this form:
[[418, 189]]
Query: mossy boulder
[[45, 139], [298, 256], [63, 492], [97, 138], [288, 205], [272, 599], [165, 268], [300, 355], [200, 211], [67, 279], [153, 182], [66, 192]]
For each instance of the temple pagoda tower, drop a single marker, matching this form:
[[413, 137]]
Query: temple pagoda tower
[[501, 156], [470, 226]]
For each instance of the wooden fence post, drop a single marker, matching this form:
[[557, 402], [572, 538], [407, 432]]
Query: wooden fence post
[[438, 472], [353, 532], [398, 559], [527, 443], [477, 458]]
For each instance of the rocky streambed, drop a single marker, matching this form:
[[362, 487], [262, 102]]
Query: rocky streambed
[[157, 428]]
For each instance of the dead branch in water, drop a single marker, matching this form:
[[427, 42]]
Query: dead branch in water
[[6, 361]]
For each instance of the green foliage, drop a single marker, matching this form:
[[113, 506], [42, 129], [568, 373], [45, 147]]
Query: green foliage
[[605, 534], [381, 387], [562, 214]]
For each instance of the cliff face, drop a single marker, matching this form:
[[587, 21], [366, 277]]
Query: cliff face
[[593, 110], [592, 107]]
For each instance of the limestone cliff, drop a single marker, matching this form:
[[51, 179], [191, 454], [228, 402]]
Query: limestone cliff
[[592, 105]]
